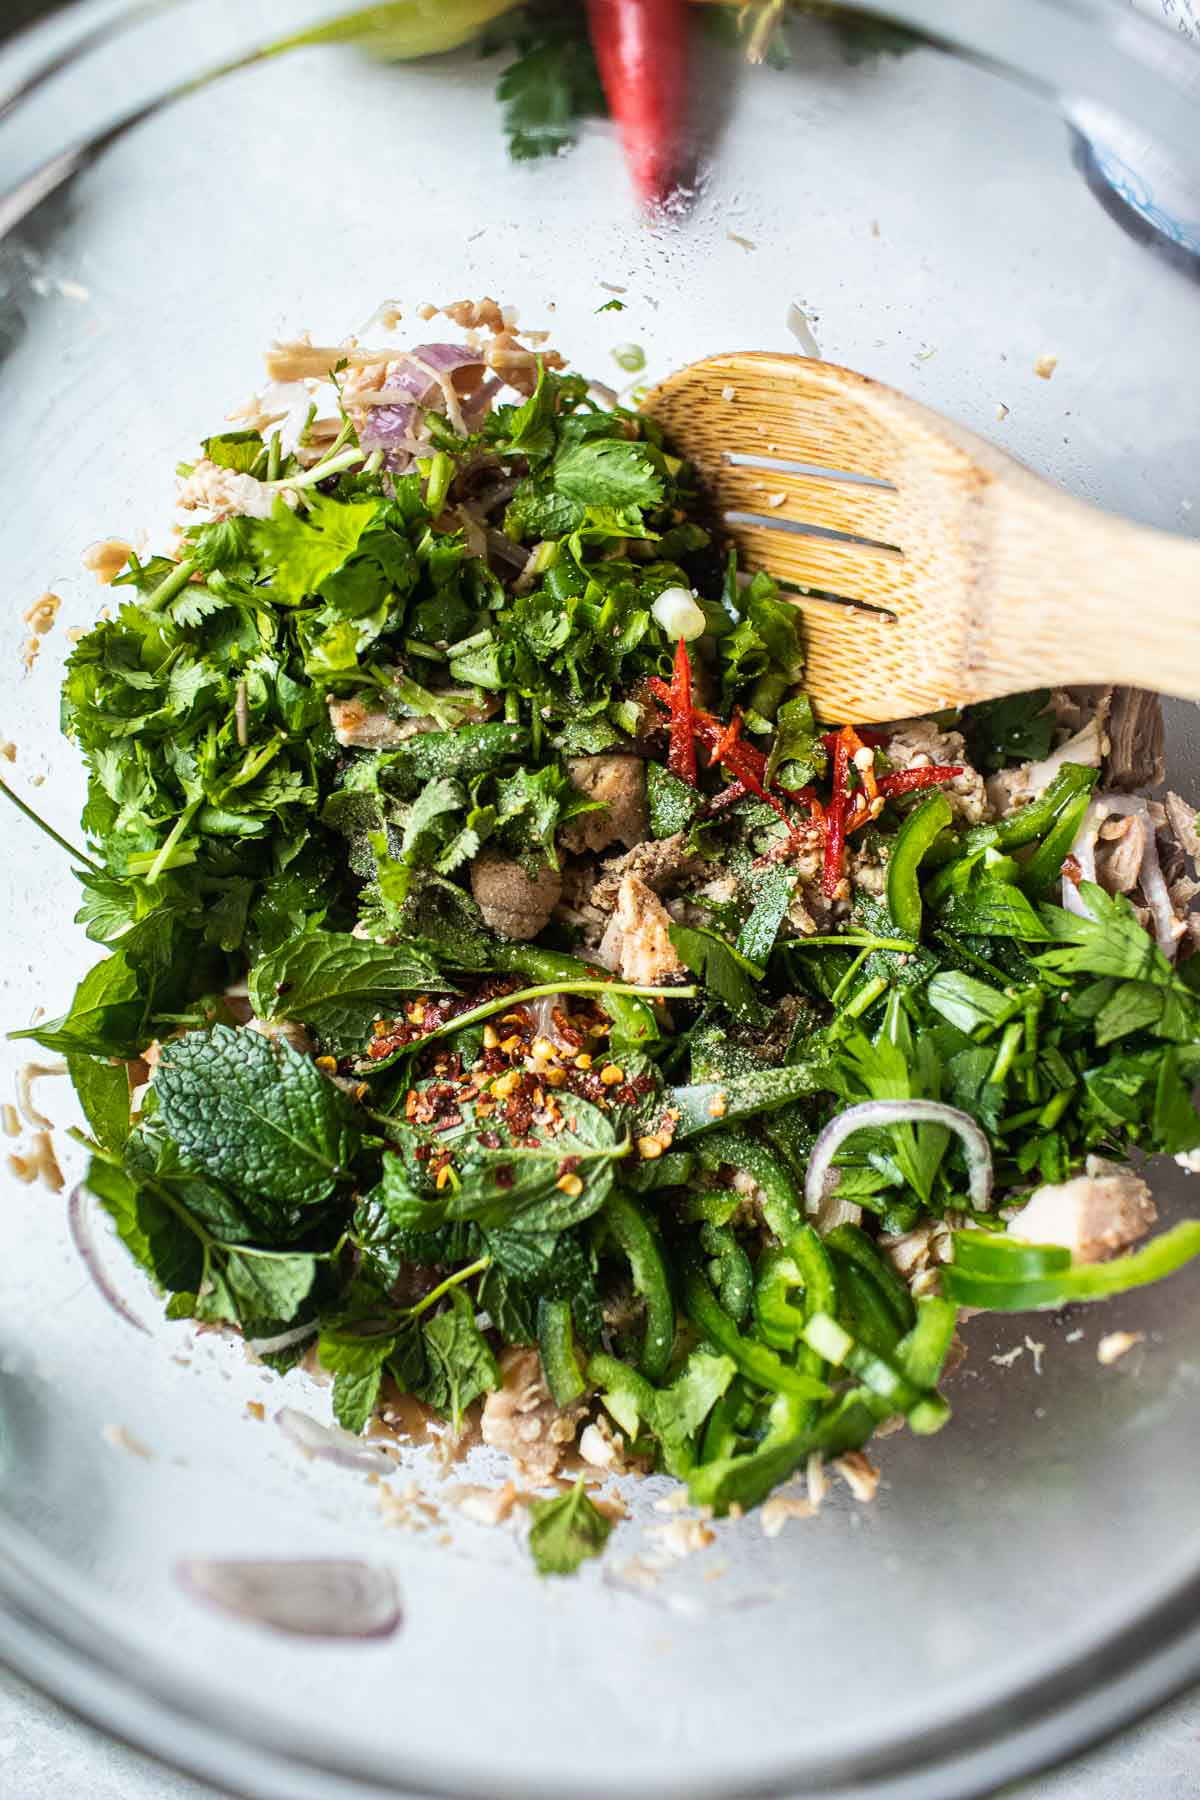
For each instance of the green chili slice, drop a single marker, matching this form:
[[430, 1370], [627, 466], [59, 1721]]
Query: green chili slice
[[853, 1242], [914, 839], [1082, 1281], [1031, 822], [556, 1346], [756, 1362], [638, 1241]]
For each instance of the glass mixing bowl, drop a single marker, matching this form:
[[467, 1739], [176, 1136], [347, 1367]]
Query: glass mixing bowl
[[1025, 1582]]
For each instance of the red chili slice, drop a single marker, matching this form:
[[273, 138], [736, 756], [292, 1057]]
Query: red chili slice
[[908, 780]]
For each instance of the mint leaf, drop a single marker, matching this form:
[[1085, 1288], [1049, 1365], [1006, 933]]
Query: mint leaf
[[516, 1188], [460, 1361], [565, 1532], [256, 1113], [154, 1236], [673, 803], [269, 1287], [608, 472], [102, 1089], [336, 983], [105, 1018], [356, 1364]]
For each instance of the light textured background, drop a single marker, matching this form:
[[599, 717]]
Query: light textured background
[[47, 1755]]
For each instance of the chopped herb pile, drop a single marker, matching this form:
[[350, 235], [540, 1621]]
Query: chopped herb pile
[[489, 931]]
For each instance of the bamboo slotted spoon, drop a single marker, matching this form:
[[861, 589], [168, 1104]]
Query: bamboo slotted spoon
[[939, 570]]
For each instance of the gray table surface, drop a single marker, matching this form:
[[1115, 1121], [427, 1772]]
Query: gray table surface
[[47, 1755]]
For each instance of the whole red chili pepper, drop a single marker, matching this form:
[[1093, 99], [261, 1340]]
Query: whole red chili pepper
[[641, 50], [910, 779]]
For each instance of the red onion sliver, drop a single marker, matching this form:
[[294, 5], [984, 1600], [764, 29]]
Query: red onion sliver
[[873, 1113], [79, 1223], [329, 1443], [334, 1598]]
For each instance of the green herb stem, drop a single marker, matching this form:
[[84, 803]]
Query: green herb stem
[[173, 584], [36, 819]]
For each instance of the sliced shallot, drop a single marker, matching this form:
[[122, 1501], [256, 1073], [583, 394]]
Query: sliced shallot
[[317, 1597], [329, 1443]]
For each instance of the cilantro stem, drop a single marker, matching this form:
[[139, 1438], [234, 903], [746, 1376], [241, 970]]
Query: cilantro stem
[[451, 1281], [332, 465], [36, 819], [173, 584], [172, 838], [506, 1001], [856, 940], [274, 456], [865, 997]]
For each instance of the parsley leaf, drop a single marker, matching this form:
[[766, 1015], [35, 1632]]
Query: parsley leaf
[[566, 1532], [255, 1113]]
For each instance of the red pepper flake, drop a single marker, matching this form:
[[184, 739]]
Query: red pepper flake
[[490, 1140], [504, 1177], [567, 1166]]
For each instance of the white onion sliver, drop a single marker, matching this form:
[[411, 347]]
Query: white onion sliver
[[283, 1340], [329, 1598], [79, 1223], [330, 1443], [869, 1114]]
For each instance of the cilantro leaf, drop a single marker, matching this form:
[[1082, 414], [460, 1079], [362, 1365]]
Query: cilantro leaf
[[607, 472], [302, 552], [552, 83], [256, 1113], [566, 1532]]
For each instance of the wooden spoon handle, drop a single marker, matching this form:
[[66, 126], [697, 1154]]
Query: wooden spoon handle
[[1067, 593]]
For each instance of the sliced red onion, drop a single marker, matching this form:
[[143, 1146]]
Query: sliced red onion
[[79, 1223], [869, 1114], [389, 428], [329, 1443], [1167, 928], [283, 1340], [326, 1598]]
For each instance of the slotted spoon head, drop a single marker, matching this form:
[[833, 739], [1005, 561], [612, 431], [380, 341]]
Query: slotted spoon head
[[861, 498]]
